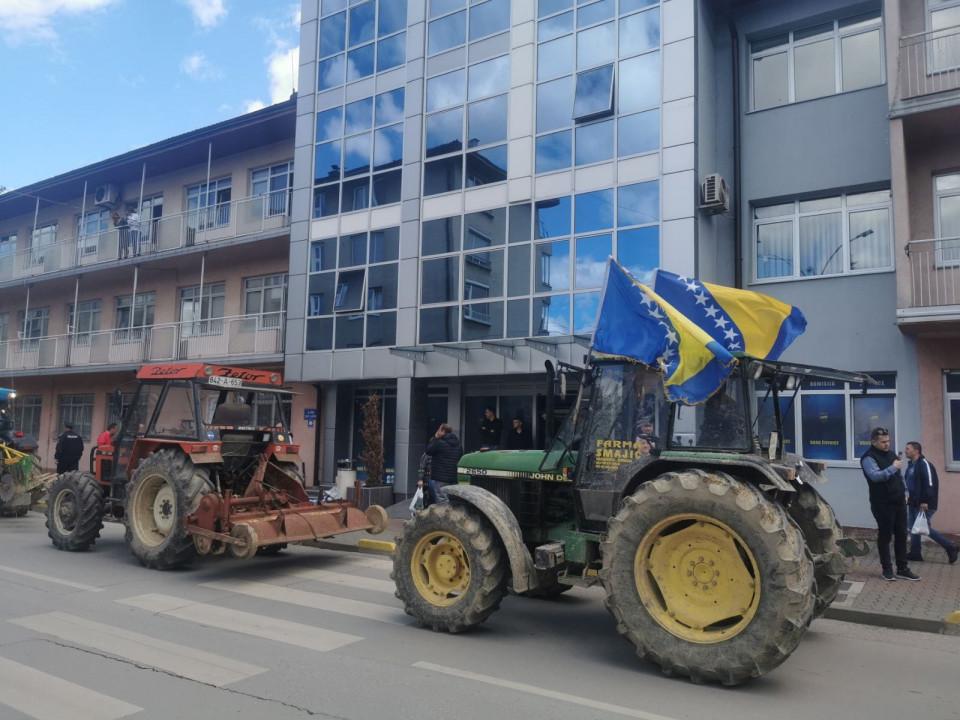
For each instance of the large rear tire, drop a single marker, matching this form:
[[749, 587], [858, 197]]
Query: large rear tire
[[449, 568], [165, 488], [74, 511], [707, 578], [820, 529]]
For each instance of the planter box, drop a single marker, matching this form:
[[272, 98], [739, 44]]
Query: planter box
[[373, 495]]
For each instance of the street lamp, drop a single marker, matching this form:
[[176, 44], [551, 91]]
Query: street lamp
[[865, 233]]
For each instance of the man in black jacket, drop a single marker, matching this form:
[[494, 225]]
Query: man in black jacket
[[923, 490], [491, 430], [888, 503], [444, 451], [69, 450]]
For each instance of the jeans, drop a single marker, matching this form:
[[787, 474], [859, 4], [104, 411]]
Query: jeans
[[435, 491], [915, 540], [891, 524]]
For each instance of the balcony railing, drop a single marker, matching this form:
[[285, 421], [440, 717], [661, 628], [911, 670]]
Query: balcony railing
[[929, 62], [934, 272], [239, 336], [151, 236]]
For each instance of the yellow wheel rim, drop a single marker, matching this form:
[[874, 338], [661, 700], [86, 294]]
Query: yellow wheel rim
[[440, 568], [697, 578]]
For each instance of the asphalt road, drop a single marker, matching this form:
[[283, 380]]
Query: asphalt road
[[93, 636]]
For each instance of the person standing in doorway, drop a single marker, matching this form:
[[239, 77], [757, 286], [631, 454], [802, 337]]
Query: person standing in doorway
[[518, 437], [881, 467], [491, 430], [69, 450], [444, 451], [923, 490]]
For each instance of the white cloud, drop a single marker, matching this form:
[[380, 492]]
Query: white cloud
[[32, 20], [207, 13], [250, 106], [198, 67], [283, 65]]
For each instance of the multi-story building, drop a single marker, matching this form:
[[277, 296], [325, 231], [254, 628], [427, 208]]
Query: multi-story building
[[174, 251], [923, 64]]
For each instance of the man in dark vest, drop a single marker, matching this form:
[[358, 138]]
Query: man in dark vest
[[69, 450], [888, 503]]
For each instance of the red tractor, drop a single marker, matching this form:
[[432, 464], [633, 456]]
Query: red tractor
[[203, 461]]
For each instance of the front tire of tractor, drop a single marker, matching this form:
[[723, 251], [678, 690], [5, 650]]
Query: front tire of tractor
[[165, 488], [74, 511], [450, 568], [707, 578], [820, 529]]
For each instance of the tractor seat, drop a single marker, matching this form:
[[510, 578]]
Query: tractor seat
[[233, 415]]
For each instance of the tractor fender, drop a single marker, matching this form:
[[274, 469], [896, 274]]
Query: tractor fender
[[508, 529]]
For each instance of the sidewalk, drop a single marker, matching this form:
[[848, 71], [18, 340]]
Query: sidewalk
[[868, 599]]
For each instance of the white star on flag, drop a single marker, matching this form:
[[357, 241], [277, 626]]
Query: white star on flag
[[647, 300], [692, 286], [721, 323], [655, 313], [667, 354], [730, 334], [701, 298], [711, 311], [671, 337], [734, 346]]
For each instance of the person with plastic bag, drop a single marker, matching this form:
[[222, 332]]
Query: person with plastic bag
[[444, 451], [923, 490]]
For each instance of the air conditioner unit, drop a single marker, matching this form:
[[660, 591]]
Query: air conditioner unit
[[714, 197], [105, 195]]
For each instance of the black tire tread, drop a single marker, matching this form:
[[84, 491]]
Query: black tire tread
[[89, 495], [821, 531]]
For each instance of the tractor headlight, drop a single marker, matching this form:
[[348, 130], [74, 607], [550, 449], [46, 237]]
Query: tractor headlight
[[281, 437], [12, 395]]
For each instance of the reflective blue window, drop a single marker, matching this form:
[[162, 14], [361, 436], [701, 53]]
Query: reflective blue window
[[482, 321], [329, 6], [349, 331], [323, 255], [593, 211], [393, 17], [595, 12], [594, 95], [590, 267], [553, 152], [552, 218], [391, 52], [356, 155], [638, 250], [444, 132], [489, 78], [555, 104], [440, 7], [362, 21], [330, 124], [353, 250], [552, 271], [326, 200], [359, 115], [638, 204], [639, 86], [628, 5], [555, 58], [440, 176], [386, 188], [546, 7], [520, 216], [487, 121], [381, 329], [594, 142], [389, 107], [333, 32], [446, 90], [330, 72], [447, 32], [639, 32], [387, 147], [384, 245], [321, 289], [551, 315], [439, 325], [596, 46], [555, 27], [639, 133], [320, 333], [440, 236], [327, 162], [440, 280], [519, 264], [518, 318], [360, 62], [483, 229], [486, 166], [488, 18], [585, 309]]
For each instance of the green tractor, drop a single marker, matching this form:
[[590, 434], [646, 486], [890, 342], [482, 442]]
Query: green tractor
[[711, 542]]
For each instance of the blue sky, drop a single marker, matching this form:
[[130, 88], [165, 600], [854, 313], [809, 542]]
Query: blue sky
[[81, 80]]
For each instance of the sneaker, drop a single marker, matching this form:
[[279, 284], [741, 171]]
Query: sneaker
[[888, 575], [907, 574], [952, 555]]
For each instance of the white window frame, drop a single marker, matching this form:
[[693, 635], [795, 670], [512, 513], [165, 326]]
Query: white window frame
[[274, 204], [944, 258], [948, 462], [92, 310], [260, 284], [849, 393], [845, 212], [838, 34]]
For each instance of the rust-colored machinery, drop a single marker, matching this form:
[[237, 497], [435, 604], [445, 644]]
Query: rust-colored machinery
[[203, 462]]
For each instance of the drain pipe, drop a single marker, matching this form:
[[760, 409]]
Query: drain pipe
[[737, 112]]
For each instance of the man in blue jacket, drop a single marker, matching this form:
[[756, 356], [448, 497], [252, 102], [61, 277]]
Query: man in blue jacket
[[923, 489]]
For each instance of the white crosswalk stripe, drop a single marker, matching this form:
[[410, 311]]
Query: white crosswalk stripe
[[319, 601], [141, 649], [257, 625], [362, 560], [49, 579], [353, 581], [45, 697]]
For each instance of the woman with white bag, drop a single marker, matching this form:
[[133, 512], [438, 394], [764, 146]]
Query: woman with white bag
[[923, 489]]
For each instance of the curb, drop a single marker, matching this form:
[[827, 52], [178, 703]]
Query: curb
[[896, 622]]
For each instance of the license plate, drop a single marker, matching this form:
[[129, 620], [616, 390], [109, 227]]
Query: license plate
[[225, 381]]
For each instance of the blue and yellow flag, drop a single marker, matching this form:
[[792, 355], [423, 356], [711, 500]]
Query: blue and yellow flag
[[743, 321], [637, 324]]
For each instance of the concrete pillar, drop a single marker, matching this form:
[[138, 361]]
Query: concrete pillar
[[328, 437], [405, 477]]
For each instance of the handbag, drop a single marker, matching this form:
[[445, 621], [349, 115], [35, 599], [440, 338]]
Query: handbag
[[416, 503], [921, 525]]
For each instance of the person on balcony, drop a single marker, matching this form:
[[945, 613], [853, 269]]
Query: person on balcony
[[133, 228], [123, 233]]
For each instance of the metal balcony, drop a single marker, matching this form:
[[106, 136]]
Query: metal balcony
[[243, 336], [211, 224], [929, 63]]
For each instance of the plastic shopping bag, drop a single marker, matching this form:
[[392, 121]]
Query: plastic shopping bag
[[920, 525], [416, 504]]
